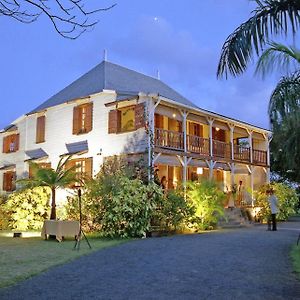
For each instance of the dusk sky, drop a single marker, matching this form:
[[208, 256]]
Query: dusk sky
[[182, 39]]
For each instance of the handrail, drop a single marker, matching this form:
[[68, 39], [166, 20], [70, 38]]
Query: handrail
[[168, 139], [198, 144]]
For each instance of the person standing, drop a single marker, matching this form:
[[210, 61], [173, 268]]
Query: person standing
[[273, 202]]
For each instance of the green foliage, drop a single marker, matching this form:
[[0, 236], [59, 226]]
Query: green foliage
[[4, 217], [27, 209], [271, 17], [173, 212], [61, 177], [287, 201], [207, 201], [118, 202]]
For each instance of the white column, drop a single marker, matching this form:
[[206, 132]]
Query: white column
[[210, 122], [232, 169], [250, 133], [150, 120], [250, 170], [231, 126], [268, 139]]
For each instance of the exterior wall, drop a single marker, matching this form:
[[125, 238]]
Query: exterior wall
[[58, 132]]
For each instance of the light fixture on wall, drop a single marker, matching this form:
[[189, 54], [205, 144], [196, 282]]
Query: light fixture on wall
[[174, 115], [217, 128], [199, 171]]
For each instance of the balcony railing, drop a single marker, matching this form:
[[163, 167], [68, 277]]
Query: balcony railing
[[259, 157], [174, 140], [198, 144], [241, 153], [221, 149], [168, 139]]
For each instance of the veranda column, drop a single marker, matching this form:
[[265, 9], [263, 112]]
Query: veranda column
[[268, 139], [151, 132], [250, 135], [250, 171], [231, 126], [210, 122], [232, 170]]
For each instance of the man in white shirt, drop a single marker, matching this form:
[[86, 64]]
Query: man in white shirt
[[273, 202]]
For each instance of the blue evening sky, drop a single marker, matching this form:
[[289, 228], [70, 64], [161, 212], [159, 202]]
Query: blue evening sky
[[182, 39]]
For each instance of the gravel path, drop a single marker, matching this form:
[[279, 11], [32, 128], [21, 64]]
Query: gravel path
[[249, 263]]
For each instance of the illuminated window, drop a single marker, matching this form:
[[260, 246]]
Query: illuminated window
[[127, 119]]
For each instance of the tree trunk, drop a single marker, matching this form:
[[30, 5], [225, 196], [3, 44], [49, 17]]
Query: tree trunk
[[53, 205]]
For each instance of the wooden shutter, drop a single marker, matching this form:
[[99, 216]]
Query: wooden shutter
[[159, 121], [17, 141], [5, 144], [178, 126], [40, 129], [89, 167], [89, 117], [5, 181], [76, 119], [114, 120], [139, 115], [8, 181]]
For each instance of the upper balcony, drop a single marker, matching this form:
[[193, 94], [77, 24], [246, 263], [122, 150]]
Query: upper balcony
[[200, 146]]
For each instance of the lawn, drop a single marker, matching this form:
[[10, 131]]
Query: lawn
[[295, 254], [21, 258]]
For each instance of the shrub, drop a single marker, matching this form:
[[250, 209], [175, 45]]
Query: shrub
[[89, 212], [207, 202], [287, 201], [4, 218], [28, 208], [173, 212], [126, 206]]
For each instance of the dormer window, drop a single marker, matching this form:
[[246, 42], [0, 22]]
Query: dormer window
[[83, 118], [11, 143]]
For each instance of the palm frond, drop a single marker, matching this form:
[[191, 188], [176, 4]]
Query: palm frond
[[285, 98], [278, 57], [271, 17]]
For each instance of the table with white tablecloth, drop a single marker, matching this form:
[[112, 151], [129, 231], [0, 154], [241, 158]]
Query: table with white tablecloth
[[60, 229]]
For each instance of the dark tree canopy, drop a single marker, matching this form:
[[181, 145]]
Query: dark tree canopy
[[70, 18]]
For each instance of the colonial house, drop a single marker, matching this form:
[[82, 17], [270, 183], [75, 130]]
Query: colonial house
[[111, 110]]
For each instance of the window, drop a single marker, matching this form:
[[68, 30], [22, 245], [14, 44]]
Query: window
[[11, 143], [126, 119], [82, 168], [83, 118], [9, 178], [40, 129], [41, 165]]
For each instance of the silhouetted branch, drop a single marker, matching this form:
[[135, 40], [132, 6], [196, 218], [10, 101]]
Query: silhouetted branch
[[70, 18]]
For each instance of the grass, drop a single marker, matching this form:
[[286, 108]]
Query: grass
[[295, 255], [21, 258]]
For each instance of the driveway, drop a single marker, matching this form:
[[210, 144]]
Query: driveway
[[249, 263]]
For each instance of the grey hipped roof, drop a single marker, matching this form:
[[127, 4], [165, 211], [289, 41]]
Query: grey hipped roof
[[109, 76]]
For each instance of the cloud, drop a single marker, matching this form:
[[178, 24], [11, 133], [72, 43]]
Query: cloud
[[190, 68]]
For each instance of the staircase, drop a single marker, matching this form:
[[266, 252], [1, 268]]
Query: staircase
[[234, 218]]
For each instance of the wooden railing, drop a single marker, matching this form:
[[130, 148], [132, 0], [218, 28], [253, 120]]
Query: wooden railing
[[198, 144], [174, 140], [259, 157], [221, 149], [241, 153], [168, 139]]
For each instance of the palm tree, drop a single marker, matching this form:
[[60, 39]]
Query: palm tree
[[271, 17], [53, 179]]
